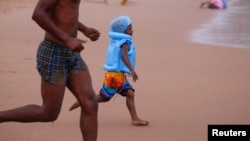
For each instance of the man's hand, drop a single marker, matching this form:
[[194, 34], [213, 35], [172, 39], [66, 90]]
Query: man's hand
[[92, 33], [75, 44]]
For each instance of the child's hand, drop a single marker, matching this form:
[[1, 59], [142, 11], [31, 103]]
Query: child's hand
[[134, 75]]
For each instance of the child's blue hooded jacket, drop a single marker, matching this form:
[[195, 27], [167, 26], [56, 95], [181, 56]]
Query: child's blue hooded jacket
[[117, 39]]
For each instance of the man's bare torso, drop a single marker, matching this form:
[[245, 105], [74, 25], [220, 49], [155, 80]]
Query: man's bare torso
[[65, 15]]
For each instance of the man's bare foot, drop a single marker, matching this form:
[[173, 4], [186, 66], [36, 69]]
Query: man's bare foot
[[74, 106], [140, 122]]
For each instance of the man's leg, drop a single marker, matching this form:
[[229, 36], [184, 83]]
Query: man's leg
[[81, 86], [132, 110], [52, 96]]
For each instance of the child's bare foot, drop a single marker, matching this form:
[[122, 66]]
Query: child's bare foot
[[140, 122], [74, 106]]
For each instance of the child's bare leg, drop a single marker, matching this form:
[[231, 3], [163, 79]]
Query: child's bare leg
[[132, 110], [76, 104]]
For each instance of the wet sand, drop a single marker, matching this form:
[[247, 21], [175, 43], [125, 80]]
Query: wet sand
[[183, 86], [228, 28]]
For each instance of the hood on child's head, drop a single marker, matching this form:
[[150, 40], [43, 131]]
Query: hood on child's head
[[120, 24]]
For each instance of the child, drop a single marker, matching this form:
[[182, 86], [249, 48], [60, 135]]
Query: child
[[120, 60], [214, 4]]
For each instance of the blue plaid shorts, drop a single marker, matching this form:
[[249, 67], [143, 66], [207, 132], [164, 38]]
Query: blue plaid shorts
[[55, 62]]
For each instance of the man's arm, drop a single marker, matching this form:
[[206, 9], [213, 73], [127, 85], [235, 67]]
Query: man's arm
[[42, 18], [91, 33]]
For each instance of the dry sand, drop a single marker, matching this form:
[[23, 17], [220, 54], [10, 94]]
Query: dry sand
[[183, 86]]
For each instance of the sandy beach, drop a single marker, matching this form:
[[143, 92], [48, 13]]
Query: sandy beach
[[183, 86]]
